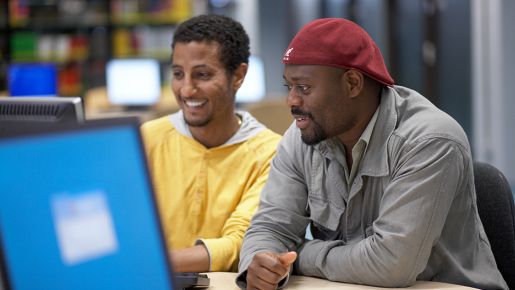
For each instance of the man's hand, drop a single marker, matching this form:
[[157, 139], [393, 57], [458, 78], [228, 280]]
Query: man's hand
[[267, 269]]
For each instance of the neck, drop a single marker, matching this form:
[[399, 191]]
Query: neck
[[217, 132], [351, 136], [369, 102]]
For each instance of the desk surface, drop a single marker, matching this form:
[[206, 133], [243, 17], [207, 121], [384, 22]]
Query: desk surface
[[225, 281]]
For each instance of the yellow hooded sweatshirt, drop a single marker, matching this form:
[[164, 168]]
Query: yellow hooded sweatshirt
[[208, 196]]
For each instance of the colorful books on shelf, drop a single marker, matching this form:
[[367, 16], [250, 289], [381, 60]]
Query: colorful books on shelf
[[18, 13], [69, 80], [23, 46], [143, 41], [31, 46], [150, 11]]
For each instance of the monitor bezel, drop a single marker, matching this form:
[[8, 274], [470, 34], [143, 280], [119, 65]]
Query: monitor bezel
[[39, 124]]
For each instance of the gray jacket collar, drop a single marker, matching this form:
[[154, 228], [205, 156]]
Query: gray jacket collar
[[249, 128], [375, 161]]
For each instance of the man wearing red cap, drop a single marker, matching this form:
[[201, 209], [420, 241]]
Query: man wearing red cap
[[383, 178]]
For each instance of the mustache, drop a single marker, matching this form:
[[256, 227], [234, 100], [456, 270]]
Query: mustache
[[299, 112]]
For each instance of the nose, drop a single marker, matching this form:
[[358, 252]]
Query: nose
[[188, 88], [293, 99]]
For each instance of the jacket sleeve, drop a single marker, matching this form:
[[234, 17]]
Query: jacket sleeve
[[280, 223], [224, 251], [413, 210]]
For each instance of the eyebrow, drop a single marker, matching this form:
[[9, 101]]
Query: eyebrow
[[296, 78], [195, 67]]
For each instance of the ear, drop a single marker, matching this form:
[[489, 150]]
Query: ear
[[239, 75], [354, 81]]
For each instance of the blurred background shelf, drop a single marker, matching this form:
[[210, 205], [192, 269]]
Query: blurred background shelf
[[81, 36]]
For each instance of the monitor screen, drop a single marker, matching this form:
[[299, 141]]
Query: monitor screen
[[32, 79], [37, 113], [253, 88], [77, 211], [133, 82]]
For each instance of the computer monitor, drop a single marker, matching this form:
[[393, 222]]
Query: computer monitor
[[133, 83], [253, 88], [77, 210], [32, 79], [37, 113]]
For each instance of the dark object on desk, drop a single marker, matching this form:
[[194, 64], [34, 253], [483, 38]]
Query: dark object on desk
[[190, 280], [26, 114], [497, 212]]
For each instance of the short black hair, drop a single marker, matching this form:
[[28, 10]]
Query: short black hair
[[233, 40]]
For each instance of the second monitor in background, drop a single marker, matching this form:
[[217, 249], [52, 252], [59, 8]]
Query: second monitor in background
[[133, 83], [32, 79]]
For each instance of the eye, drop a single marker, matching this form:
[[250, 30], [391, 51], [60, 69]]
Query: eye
[[203, 75], [303, 89], [177, 74], [288, 87]]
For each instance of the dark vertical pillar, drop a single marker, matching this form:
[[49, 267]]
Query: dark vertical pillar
[[276, 28], [453, 63], [393, 45], [429, 50]]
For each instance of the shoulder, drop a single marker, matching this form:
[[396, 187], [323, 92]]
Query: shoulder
[[155, 131], [255, 134], [162, 123], [419, 120], [267, 137], [263, 143]]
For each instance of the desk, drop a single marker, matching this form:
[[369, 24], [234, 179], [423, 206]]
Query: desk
[[225, 281]]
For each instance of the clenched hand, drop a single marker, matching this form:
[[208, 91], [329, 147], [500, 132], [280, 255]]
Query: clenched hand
[[267, 269]]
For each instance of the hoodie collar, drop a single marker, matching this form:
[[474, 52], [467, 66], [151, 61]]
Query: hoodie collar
[[249, 128]]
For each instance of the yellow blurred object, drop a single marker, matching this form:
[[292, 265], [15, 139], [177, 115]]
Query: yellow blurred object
[[180, 10], [122, 45]]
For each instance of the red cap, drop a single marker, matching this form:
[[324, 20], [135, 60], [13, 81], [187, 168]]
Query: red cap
[[340, 43]]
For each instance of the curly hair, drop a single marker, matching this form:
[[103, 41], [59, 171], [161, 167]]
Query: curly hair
[[233, 40]]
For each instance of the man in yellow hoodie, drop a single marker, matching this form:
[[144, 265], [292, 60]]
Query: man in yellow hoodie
[[208, 161]]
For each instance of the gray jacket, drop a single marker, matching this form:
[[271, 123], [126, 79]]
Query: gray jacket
[[409, 215]]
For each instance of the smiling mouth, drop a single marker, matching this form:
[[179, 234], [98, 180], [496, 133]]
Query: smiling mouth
[[302, 121], [301, 118], [194, 103]]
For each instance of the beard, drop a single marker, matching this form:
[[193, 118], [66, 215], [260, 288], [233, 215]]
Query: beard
[[197, 123], [313, 135]]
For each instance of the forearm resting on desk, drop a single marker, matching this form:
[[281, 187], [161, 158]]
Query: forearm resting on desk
[[192, 259]]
